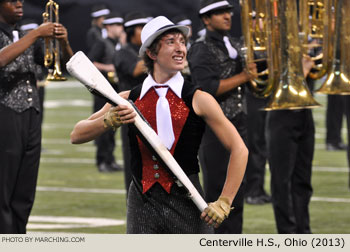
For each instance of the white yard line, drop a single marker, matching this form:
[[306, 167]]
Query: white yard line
[[66, 84], [331, 200], [67, 222], [60, 141], [48, 104], [79, 190], [330, 169], [68, 160]]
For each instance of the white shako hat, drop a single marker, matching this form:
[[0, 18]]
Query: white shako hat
[[156, 27], [99, 10], [207, 6], [113, 18]]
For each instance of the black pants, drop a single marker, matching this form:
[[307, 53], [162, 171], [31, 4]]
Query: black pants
[[20, 144], [105, 143], [256, 143], [214, 160], [334, 118], [290, 142]]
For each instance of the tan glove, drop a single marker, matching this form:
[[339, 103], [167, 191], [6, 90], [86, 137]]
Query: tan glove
[[219, 210], [112, 119]]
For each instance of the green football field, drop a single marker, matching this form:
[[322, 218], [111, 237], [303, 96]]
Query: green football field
[[73, 197]]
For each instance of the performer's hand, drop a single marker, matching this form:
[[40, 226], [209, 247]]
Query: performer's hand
[[116, 116], [61, 33], [251, 71], [46, 29], [217, 212], [308, 64]]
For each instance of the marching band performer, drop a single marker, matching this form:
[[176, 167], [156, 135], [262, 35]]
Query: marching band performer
[[177, 111], [20, 128]]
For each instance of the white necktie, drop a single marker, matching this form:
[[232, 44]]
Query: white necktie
[[15, 36], [231, 51], [163, 115]]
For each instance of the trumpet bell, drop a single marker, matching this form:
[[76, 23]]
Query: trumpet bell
[[55, 76]]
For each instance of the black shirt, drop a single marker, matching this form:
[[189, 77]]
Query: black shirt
[[103, 50], [93, 34], [125, 61], [209, 63]]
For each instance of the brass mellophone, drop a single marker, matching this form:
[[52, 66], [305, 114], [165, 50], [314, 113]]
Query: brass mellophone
[[52, 46]]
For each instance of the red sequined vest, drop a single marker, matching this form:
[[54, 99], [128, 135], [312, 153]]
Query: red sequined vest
[[152, 170]]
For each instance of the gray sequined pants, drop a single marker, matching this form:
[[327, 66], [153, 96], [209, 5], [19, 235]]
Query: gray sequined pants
[[157, 212]]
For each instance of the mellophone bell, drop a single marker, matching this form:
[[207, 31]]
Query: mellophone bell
[[52, 46]]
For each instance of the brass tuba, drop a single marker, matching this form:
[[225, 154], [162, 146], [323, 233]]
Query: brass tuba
[[52, 46], [286, 83]]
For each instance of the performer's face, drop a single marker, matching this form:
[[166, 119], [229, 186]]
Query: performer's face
[[115, 30], [11, 11], [219, 20], [172, 53]]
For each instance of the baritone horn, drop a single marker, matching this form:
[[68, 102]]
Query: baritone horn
[[52, 46]]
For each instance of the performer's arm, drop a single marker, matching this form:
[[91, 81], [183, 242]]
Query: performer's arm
[[10, 52], [206, 106], [106, 118], [237, 80]]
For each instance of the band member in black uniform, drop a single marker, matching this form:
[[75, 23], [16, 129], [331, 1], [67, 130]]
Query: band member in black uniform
[[101, 54], [334, 121], [290, 138], [131, 72], [216, 65], [177, 111], [96, 31], [20, 127]]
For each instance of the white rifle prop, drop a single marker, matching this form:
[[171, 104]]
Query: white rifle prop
[[84, 70]]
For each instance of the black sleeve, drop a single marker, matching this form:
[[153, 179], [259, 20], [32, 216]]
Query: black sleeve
[[204, 72]]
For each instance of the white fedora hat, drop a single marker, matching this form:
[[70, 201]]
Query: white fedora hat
[[154, 28]]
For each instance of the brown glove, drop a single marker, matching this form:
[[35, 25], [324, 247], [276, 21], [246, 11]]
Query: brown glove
[[219, 210], [112, 119]]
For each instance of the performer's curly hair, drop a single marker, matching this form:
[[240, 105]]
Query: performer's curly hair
[[154, 49]]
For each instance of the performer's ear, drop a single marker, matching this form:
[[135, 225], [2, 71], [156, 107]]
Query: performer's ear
[[150, 54]]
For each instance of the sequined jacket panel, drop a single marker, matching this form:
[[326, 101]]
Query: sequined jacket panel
[[17, 79], [186, 149], [210, 62]]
